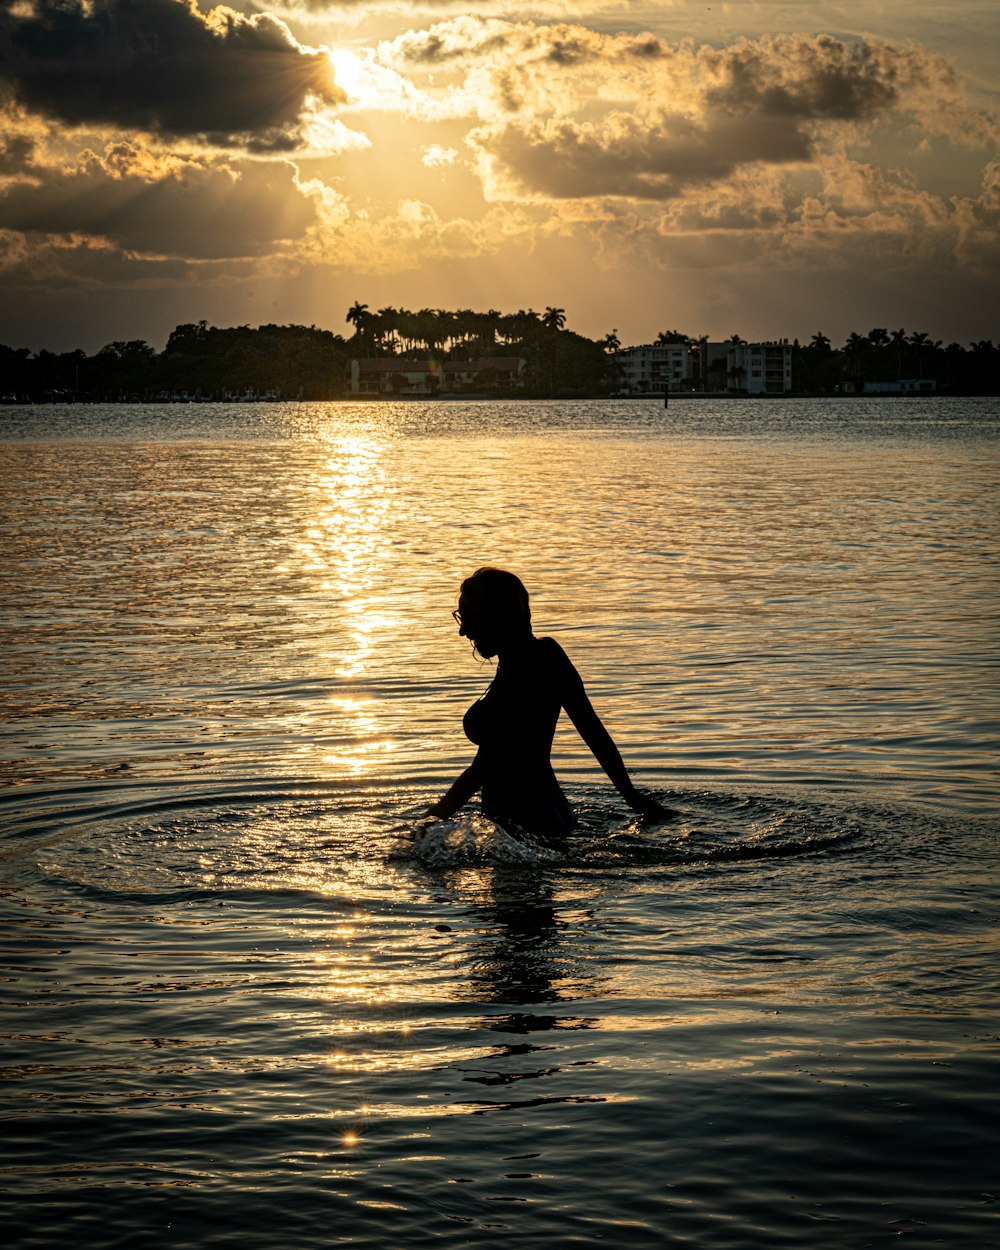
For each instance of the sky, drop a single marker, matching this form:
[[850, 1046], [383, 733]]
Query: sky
[[767, 169]]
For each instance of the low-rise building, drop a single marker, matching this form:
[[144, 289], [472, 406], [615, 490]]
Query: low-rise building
[[652, 368], [394, 375], [403, 375], [899, 386], [490, 374]]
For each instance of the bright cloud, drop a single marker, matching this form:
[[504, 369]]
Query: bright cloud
[[130, 198], [434, 156]]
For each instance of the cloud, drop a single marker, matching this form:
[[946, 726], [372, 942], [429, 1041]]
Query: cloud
[[372, 86], [516, 69], [754, 200], [979, 223], [159, 205], [17, 153], [61, 263], [571, 113], [843, 215], [434, 156], [404, 237], [163, 67], [813, 77], [470, 39], [560, 67], [623, 156]]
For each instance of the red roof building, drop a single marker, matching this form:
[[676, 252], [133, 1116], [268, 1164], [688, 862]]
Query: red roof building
[[404, 375]]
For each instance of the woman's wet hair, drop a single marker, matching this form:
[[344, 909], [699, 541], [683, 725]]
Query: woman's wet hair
[[500, 596]]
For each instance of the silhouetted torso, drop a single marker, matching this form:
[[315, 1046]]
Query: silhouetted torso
[[513, 725]]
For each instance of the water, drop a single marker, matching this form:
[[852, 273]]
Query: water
[[241, 1006]]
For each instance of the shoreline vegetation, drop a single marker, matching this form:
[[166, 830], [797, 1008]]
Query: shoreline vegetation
[[203, 363]]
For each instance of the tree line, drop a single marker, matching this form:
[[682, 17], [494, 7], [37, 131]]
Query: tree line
[[199, 361], [884, 355], [293, 361], [304, 362]]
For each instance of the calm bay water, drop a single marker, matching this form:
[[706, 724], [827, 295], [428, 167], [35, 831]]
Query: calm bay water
[[238, 1007]]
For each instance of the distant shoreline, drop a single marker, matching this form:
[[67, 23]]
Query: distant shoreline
[[654, 400]]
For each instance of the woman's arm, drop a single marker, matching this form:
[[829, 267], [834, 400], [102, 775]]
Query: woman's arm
[[591, 729], [460, 793]]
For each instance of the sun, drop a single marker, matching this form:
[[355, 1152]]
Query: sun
[[371, 85], [349, 73]]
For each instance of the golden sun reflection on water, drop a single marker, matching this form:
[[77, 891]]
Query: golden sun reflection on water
[[345, 539], [340, 553], [358, 720]]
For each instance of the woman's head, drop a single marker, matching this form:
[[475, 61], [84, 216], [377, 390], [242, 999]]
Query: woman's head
[[493, 610]]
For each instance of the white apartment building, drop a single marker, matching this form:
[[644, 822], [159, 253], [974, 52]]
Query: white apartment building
[[756, 368], [652, 368]]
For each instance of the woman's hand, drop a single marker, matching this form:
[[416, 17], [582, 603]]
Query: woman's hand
[[460, 793], [648, 807]]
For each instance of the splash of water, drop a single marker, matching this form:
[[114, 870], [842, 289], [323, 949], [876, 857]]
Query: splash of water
[[474, 839]]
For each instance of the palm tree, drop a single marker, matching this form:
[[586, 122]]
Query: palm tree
[[918, 339], [854, 351], [408, 327], [611, 342], [921, 341], [716, 373], [465, 328], [554, 318], [878, 341], [444, 327], [357, 314], [898, 341], [855, 345], [507, 327], [363, 322], [527, 322], [386, 324], [491, 321], [427, 329]]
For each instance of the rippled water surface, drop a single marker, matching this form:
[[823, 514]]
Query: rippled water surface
[[244, 1005]]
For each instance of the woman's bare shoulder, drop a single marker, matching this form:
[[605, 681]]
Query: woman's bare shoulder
[[556, 658], [550, 647]]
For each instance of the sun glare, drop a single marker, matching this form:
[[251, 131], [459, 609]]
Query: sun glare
[[347, 69], [380, 88]]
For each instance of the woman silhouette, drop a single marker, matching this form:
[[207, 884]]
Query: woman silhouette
[[513, 723]]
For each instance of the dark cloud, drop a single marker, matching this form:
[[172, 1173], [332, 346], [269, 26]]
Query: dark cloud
[[761, 102], [16, 154], [82, 264], [195, 212], [638, 161], [162, 66], [471, 38], [819, 77]]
